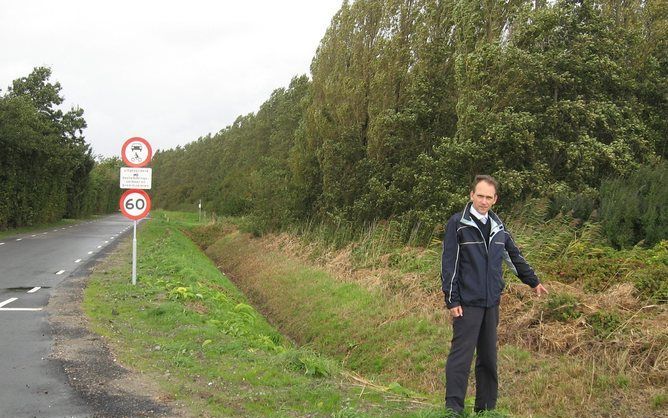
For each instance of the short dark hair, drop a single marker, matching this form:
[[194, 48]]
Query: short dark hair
[[487, 179]]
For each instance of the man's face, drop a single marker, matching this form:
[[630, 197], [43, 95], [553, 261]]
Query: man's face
[[483, 197]]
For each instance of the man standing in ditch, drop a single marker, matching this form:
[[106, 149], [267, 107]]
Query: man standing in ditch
[[475, 244]]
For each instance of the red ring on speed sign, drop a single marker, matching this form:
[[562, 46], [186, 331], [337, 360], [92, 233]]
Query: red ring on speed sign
[[135, 204], [136, 152]]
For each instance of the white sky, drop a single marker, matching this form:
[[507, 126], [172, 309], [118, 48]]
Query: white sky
[[168, 71]]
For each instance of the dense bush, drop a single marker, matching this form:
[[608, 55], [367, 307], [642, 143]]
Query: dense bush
[[634, 208]]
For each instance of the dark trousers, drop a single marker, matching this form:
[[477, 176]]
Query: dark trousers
[[475, 330]]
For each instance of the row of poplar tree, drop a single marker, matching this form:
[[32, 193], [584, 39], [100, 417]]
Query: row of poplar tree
[[408, 99], [47, 171]]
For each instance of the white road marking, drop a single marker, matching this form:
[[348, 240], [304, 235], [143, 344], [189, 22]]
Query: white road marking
[[78, 260], [34, 235], [61, 272], [21, 309], [90, 252], [19, 239], [99, 246], [2, 243], [7, 302], [45, 233], [106, 242], [34, 289]]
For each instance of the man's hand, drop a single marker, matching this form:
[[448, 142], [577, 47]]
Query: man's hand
[[456, 311], [540, 290]]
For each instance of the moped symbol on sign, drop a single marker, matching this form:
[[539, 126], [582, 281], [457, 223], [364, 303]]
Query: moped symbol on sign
[[135, 204], [136, 152]]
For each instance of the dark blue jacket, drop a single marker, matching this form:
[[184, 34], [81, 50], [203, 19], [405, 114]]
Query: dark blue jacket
[[471, 272]]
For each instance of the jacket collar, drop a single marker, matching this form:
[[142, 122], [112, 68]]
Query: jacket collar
[[496, 224]]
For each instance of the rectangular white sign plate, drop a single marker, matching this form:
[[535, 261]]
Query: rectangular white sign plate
[[135, 178]]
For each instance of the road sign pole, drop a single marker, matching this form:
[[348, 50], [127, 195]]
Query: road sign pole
[[134, 254]]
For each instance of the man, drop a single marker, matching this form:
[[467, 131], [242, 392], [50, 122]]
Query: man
[[474, 246]]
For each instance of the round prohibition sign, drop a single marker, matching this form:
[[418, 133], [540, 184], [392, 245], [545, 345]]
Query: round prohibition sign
[[135, 204], [136, 152]]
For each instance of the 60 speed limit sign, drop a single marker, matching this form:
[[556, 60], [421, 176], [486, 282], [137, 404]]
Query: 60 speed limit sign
[[135, 204]]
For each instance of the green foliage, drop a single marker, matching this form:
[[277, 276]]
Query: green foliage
[[309, 362], [604, 323], [634, 208], [659, 401], [407, 100], [562, 307], [215, 353], [45, 164]]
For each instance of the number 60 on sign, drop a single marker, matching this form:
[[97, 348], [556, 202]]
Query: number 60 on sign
[[135, 204]]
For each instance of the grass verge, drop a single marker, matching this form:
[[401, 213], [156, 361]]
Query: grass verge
[[377, 307], [188, 327]]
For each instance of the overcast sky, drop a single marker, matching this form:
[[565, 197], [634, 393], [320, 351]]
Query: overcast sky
[[168, 71]]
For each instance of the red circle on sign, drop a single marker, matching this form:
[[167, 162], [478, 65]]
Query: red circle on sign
[[135, 204], [140, 152]]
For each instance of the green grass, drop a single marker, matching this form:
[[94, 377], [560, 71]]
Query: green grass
[[382, 330], [190, 328]]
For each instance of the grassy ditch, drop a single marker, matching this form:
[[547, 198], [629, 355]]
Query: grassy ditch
[[189, 328], [376, 307]]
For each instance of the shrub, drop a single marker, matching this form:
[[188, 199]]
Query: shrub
[[634, 208], [604, 323], [562, 307]]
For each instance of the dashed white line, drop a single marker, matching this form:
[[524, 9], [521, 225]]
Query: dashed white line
[[7, 302], [34, 289], [19, 239], [60, 272], [2, 243], [33, 236], [78, 260], [106, 242], [90, 252]]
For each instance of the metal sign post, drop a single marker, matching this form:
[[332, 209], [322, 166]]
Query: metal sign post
[[134, 254]]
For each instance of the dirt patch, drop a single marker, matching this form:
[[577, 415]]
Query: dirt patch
[[110, 389]]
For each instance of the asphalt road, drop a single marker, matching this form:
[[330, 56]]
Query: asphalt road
[[32, 266]]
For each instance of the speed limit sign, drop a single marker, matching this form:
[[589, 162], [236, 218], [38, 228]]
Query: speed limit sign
[[135, 204]]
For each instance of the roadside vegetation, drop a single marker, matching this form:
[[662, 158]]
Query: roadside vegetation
[[375, 304], [189, 328], [47, 170], [302, 324]]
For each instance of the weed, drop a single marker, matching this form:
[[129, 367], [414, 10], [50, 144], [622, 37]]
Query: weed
[[562, 307], [308, 362], [660, 401], [604, 323]]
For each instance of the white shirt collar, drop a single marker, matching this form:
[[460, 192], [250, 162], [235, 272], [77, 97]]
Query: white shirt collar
[[482, 218]]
